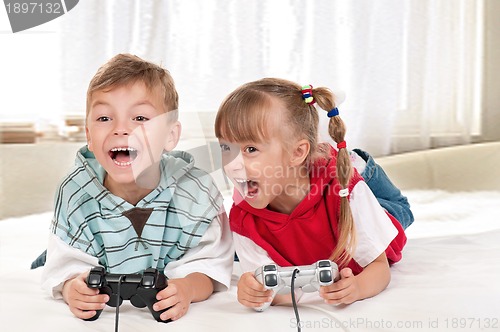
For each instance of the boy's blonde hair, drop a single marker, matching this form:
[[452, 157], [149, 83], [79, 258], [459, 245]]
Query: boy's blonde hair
[[244, 116], [124, 69]]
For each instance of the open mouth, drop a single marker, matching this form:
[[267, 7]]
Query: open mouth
[[123, 156], [248, 188]]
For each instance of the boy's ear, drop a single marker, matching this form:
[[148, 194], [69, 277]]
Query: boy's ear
[[173, 136], [300, 152], [89, 141]]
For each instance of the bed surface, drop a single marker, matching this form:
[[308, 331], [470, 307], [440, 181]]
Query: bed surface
[[447, 280]]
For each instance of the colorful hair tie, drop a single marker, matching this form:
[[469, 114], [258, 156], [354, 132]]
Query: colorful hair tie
[[307, 94], [341, 145], [333, 112], [344, 192]]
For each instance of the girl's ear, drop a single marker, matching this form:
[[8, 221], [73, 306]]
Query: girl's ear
[[300, 152], [173, 136]]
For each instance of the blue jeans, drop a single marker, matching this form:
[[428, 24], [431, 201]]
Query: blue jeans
[[40, 260], [387, 194]]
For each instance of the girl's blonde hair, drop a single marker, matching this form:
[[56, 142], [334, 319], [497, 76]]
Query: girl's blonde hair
[[124, 69], [244, 116]]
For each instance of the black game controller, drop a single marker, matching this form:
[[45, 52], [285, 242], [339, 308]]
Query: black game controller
[[139, 288]]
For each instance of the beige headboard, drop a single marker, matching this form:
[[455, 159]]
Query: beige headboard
[[29, 174], [459, 168]]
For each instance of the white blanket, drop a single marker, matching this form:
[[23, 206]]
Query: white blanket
[[448, 279]]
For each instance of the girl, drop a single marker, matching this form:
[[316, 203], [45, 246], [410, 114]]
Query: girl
[[297, 201]]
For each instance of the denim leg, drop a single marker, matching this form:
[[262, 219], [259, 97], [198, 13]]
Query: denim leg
[[40, 260], [387, 194]]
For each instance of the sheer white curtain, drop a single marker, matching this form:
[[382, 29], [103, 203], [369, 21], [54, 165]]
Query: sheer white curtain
[[411, 71], [409, 68], [441, 103]]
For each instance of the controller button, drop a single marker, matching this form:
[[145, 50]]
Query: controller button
[[271, 280], [324, 264], [148, 281], [325, 276], [269, 268], [94, 279]]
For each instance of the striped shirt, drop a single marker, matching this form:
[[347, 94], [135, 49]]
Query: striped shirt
[[125, 238]]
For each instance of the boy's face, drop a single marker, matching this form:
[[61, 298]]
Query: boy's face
[[127, 130]]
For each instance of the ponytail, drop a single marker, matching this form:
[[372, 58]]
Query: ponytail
[[346, 242]]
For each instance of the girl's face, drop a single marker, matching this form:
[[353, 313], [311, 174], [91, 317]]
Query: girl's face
[[257, 170], [264, 173]]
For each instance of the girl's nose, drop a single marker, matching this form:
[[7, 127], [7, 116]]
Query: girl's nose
[[234, 161]]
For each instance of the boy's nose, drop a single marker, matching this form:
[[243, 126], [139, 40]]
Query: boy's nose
[[121, 128], [123, 132]]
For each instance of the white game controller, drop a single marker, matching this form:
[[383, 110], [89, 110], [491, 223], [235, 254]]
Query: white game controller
[[308, 278]]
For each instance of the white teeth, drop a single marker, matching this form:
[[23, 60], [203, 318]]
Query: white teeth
[[241, 180], [123, 149], [132, 152], [128, 163]]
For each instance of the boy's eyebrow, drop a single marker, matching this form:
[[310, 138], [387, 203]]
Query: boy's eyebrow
[[97, 103], [139, 103], [143, 102]]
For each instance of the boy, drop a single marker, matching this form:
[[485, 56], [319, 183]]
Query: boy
[[127, 205]]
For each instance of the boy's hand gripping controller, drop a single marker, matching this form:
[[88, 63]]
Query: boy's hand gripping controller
[[140, 288], [309, 278]]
